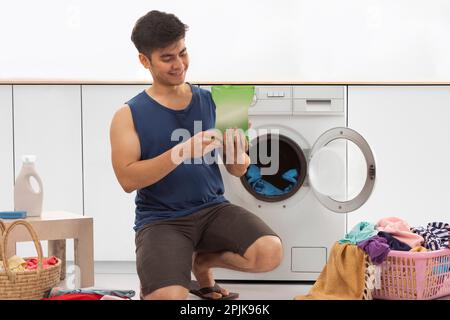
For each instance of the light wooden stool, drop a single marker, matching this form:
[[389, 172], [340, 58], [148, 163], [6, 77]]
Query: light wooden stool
[[56, 227]]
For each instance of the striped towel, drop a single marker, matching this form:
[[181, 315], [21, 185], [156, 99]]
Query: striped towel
[[436, 235]]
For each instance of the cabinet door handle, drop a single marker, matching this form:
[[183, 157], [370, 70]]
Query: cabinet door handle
[[318, 101]]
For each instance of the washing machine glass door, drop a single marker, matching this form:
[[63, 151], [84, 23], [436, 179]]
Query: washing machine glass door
[[341, 170]]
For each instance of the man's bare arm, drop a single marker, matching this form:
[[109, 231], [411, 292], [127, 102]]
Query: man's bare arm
[[131, 172]]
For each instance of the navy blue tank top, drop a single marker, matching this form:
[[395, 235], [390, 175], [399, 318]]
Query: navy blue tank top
[[189, 187]]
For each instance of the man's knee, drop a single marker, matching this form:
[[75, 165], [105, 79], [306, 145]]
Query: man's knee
[[266, 253], [168, 293]]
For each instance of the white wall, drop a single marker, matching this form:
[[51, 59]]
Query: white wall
[[6, 149], [232, 40], [407, 129]]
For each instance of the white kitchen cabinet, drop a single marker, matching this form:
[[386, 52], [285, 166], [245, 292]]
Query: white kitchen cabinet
[[409, 132], [6, 149], [47, 123], [105, 201]]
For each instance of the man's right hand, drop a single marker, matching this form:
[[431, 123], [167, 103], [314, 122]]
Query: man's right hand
[[202, 143]]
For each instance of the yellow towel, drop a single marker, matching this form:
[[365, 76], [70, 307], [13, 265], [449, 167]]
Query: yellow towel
[[418, 249], [15, 263], [342, 278]]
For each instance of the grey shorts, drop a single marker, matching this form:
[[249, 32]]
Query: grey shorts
[[164, 248]]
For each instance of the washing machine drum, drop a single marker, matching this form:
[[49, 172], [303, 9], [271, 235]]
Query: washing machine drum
[[281, 176], [275, 175]]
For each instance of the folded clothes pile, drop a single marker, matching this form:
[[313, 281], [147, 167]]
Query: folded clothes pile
[[58, 293]]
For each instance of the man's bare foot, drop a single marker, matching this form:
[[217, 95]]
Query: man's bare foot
[[204, 276]]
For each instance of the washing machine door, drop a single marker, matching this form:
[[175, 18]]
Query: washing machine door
[[341, 170]]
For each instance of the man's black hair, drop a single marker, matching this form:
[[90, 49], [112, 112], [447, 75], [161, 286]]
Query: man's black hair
[[157, 30]]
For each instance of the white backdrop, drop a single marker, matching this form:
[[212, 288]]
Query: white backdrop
[[232, 40]]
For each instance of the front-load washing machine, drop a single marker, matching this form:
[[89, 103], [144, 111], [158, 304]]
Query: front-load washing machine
[[321, 170]]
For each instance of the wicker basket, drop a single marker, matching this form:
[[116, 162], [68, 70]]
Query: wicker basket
[[28, 284]]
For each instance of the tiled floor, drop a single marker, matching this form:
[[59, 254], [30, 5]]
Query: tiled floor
[[122, 275], [247, 291]]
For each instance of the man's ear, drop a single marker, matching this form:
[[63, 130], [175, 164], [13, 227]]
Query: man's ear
[[144, 61]]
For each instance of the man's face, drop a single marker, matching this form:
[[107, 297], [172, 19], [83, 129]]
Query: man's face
[[168, 65]]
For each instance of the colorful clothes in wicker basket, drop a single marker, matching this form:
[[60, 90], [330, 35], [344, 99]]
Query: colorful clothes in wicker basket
[[32, 263], [29, 283]]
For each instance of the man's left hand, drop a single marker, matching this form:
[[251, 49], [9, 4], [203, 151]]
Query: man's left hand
[[235, 147]]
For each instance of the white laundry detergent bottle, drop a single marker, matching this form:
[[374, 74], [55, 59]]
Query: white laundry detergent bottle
[[25, 197]]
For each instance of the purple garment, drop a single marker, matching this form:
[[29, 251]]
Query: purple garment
[[376, 247]]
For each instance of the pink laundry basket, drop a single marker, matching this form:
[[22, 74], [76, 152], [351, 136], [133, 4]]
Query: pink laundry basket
[[414, 275]]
